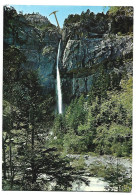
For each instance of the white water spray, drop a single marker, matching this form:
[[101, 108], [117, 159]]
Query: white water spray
[[59, 93]]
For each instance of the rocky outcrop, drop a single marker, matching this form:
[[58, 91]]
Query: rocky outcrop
[[37, 19]]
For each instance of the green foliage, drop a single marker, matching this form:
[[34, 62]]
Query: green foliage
[[72, 19], [119, 33], [87, 23], [100, 84], [79, 164], [73, 143], [104, 126], [12, 59], [114, 10], [114, 140], [121, 19], [75, 113], [117, 178], [9, 16], [116, 137], [88, 15], [78, 127]]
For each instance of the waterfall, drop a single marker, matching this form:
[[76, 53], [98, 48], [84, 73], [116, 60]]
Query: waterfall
[[59, 93]]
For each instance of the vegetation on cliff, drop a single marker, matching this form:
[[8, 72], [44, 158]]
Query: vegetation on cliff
[[118, 19], [122, 19]]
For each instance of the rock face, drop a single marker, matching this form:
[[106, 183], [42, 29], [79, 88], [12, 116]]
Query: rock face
[[88, 41], [81, 59], [90, 52], [37, 19], [38, 44], [92, 41], [40, 52]]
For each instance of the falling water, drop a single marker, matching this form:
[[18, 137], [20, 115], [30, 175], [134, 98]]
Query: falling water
[[59, 93]]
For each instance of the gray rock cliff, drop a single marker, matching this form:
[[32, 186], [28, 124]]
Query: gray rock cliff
[[89, 42], [82, 58]]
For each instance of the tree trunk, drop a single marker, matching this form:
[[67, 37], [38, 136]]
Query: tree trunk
[[10, 160], [4, 161], [32, 159]]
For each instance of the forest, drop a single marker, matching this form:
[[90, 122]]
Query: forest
[[37, 141]]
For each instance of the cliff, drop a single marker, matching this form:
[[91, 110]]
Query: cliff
[[37, 39], [92, 42], [89, 42]]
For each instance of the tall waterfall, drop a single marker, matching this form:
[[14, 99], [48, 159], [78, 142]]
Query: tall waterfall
[[59, 93]]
